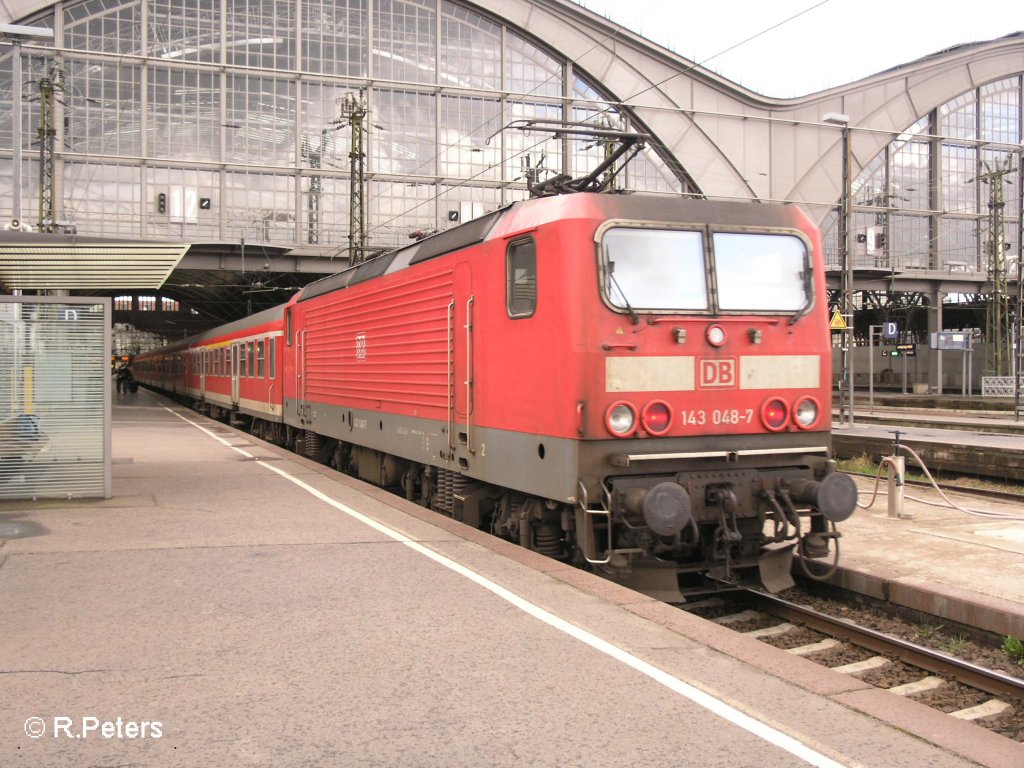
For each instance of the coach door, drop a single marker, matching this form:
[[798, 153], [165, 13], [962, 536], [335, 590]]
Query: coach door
[[236, 371], [203, 359], [461, 375]]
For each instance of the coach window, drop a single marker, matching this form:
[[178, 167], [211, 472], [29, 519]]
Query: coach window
[[261, 359], [288, 326], [272, 356], [251, 349], [521, 278]]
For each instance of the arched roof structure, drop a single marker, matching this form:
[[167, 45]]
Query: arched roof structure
[[714, 137]]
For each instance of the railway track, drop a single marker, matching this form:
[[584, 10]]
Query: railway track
[[964, 690]]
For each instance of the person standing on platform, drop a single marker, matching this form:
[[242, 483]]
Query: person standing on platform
[[124, 379]]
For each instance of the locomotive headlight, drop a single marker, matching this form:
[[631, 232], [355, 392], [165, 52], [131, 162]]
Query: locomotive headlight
[[621, 419], [715, 335], [774, 413], [805, 412], [656, 417]]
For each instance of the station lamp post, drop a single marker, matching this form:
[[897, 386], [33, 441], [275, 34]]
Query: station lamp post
[[15, 35], [846, 257]]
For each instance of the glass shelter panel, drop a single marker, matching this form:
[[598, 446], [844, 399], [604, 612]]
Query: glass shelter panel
[[54, 398]]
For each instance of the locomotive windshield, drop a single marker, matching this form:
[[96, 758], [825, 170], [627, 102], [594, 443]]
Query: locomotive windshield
[[655, 269], [667, 270], [761, 272]]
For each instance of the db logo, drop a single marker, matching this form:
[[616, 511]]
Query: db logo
[[719, 373]]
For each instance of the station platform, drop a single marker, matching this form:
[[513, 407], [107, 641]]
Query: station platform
[[236, 605], [958, 557], [951, 440]]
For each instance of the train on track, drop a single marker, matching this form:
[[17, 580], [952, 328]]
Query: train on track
[[637, 383]]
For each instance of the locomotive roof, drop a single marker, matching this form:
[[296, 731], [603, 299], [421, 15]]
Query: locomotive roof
[[450, 240], [526, 214]]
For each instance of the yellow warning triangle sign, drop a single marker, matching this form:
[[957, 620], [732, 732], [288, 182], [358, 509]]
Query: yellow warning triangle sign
[[837, 323]]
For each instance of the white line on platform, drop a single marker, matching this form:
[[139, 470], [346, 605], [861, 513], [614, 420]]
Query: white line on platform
[[697, 696]]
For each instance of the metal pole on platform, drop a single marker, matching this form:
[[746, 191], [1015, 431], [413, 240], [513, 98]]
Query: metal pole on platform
[[970, 367], [1019, 346], [17, 34], [963, 373], [16, 135], [843, 121], [871, 365]]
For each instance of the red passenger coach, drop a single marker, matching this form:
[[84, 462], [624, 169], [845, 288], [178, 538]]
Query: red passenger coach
[[233, 369], [638, 383]]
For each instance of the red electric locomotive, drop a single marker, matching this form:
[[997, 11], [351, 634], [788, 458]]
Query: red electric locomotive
[[639, 383]]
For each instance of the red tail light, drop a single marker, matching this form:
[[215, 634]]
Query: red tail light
[[656, 417], [775, 414]]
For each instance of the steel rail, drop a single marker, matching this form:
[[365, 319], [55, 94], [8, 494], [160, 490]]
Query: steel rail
[[987, 680]]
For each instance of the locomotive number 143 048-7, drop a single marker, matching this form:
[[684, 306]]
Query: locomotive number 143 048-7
[[700, 418]]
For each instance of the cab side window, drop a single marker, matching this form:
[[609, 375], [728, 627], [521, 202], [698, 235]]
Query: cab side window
[[521, 278]]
